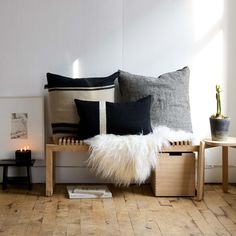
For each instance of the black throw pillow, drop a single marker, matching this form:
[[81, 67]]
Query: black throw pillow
[[113, 118]]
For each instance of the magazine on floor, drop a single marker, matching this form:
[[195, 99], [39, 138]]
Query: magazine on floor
[[89, 191]]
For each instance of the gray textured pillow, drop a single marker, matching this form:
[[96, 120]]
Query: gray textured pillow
[[170, 96]]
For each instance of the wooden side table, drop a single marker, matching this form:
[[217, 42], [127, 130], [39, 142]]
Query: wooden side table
[[208, 143]]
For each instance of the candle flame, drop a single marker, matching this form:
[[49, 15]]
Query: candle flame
[[24, 148]]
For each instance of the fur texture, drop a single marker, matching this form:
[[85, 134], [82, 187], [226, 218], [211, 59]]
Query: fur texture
[[130, 158]]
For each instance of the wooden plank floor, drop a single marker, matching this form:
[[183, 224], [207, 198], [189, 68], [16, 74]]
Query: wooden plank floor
[[131, 211]]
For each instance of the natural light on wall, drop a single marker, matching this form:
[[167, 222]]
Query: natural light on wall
[[208, 61], [76, 69], [207, 13]]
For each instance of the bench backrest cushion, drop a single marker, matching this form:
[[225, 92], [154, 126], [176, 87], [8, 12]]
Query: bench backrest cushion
[[113, 118], [62, 92], [170, 96]]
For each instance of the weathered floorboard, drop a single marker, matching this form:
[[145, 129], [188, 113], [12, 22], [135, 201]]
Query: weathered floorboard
[[131, 211]]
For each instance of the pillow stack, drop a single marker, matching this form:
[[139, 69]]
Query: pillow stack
[[144, 102]]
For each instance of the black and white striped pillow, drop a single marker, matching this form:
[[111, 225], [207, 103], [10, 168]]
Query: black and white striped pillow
[[113, 118], [62, 92]]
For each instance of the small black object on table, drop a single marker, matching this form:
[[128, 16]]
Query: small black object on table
[[16, 179]]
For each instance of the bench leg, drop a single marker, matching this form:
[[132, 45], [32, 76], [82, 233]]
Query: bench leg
[[200, 171], [4, 180], [49, 172]]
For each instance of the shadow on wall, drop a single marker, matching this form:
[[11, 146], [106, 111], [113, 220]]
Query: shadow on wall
[[157, 36]]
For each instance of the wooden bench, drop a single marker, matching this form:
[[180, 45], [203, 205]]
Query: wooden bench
[[68, 145]]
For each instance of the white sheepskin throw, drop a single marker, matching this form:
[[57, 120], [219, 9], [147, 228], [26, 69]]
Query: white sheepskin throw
[[130, 158]]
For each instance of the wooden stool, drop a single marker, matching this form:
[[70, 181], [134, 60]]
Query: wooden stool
[[16, 179], [209, 143]]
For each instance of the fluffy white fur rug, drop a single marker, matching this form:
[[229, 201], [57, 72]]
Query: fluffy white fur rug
[[130, 158]]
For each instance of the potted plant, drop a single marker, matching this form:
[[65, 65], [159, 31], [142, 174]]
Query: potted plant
[[218, 122]]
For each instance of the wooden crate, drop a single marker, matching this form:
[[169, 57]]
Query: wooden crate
[[174, 175]]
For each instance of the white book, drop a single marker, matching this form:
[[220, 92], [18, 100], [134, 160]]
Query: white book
[[89, 191]]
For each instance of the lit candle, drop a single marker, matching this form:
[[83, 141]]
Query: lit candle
[[23, 155]]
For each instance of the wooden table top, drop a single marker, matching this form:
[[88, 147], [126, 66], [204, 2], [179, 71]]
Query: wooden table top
[[13, 163], [230, 142]]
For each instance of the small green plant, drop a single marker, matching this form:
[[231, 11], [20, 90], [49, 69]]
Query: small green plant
[[218, 114]]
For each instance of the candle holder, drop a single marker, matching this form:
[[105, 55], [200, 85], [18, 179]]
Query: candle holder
[[23, 156]]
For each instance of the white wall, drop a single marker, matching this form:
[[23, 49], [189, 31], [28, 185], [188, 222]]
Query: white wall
[[97, 37]]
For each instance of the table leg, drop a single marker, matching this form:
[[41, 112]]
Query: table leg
[[200, 171], [49, 172], [225, 168], [4, 181], [29, 177], [54, 171]]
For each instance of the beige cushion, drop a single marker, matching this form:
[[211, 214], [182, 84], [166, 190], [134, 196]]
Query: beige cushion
[[62, 92]]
